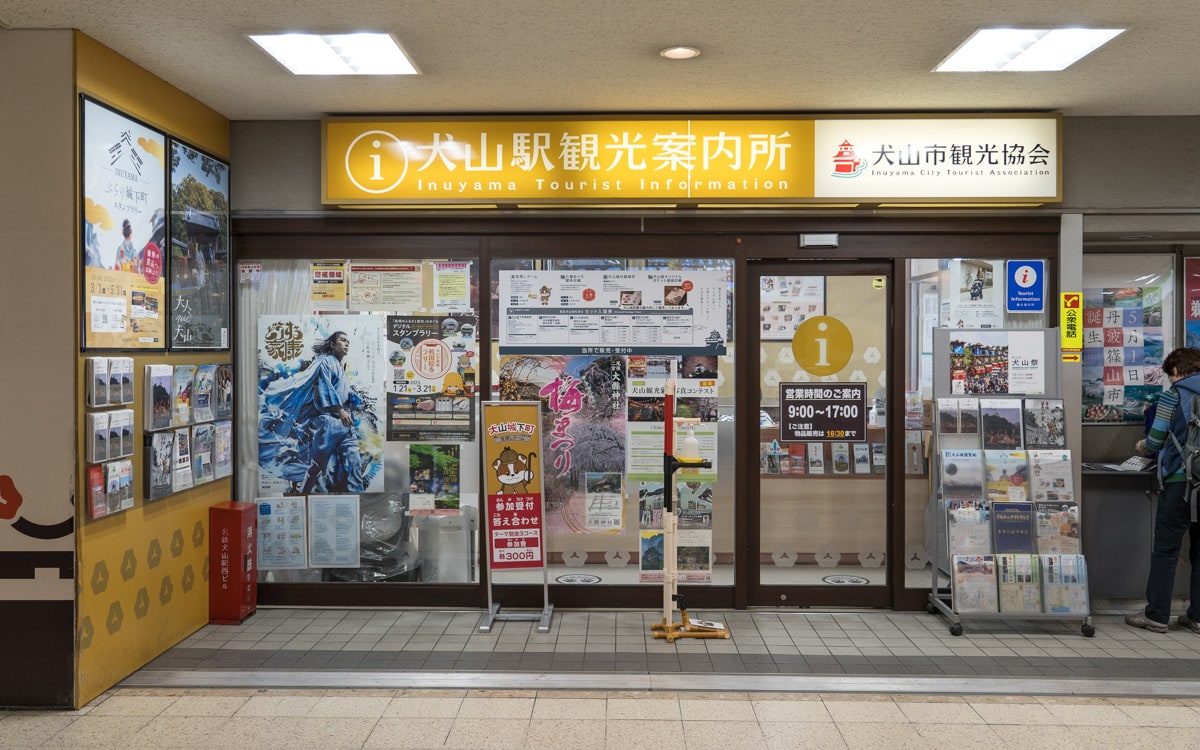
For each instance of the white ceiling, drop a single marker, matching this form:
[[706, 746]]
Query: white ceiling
[[593, 56]]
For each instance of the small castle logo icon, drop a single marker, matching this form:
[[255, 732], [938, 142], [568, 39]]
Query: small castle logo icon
[[846, 163]]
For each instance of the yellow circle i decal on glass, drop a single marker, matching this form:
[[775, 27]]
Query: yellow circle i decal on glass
[[822, 345]]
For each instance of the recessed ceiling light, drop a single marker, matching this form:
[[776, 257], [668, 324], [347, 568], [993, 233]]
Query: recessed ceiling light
[[365, 54], [679, 53], [1010, 50]]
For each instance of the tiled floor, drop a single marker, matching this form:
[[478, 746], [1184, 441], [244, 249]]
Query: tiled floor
[[578, 720], [296, 678], [307, 643]]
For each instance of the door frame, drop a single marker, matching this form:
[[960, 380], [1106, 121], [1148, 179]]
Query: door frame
[[749, 373]]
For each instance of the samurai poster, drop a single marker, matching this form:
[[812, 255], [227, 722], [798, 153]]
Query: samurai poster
[[320, 404], [199, 250], [124, 231], [512, 453], [432, 388], [583, 420]]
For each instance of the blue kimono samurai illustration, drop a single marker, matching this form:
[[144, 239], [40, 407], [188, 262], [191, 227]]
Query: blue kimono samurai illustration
[[306, 433]]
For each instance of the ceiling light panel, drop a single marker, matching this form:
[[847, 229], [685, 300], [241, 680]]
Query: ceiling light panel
[[337, 54], [1025, 50]]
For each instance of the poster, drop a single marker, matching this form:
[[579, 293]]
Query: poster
[[327, 285], [973, 294], [823, 411], [997, 362], [333, 531], [785, 302], [320, 404], [282, 533], [384, 287], [124, 225], [512, 452], [1123, 350], [583, 422], [613, 312], [432, 388], [433, 488], [452, 287], [693, 540], [1191, 301], [605, 504], [695, 398], [199, 250]]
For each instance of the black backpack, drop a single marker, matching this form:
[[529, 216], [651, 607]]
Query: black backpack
[[1189, 450]]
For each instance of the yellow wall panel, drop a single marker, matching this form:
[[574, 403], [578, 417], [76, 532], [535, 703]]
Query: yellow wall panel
[[143, 573], [107, 76], [143, 579]]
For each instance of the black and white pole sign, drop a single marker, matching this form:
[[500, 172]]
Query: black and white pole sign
[[823, 411]]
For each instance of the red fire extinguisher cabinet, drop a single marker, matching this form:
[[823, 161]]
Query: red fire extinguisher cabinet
[[232, 561]]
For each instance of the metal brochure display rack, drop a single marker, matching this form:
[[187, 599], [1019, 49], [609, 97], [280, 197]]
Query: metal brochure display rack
[[941, 599]]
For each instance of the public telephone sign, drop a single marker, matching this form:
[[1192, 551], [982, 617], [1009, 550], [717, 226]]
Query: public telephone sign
[[1071, 321], [822, 411]]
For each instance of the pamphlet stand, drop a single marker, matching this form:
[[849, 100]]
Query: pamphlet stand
[[688, 459], [941, 599]]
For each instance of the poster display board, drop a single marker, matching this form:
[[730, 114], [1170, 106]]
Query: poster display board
[[124, 222], [512, 458], [199, 250]]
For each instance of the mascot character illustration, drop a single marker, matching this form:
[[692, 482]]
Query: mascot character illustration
[[514, 471]]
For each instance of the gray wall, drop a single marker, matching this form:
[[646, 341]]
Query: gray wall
[[38, 314], [1123, 173]]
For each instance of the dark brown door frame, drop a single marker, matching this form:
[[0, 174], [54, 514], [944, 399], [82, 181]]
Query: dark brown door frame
[[758, 594]]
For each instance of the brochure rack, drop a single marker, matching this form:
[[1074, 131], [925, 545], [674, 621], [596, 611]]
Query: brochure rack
[[941, 599]]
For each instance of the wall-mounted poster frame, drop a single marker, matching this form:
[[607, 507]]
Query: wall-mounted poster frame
[[1129, 326], [123, 220], [1191, 301], [198, 250]]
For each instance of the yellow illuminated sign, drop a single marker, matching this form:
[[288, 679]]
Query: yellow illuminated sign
[[566, 160], [699, 161]]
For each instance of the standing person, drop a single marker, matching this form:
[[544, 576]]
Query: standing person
[[1174, 517], [306, 428]]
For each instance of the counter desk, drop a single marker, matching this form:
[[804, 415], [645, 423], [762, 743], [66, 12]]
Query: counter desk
[[1117, 518]]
